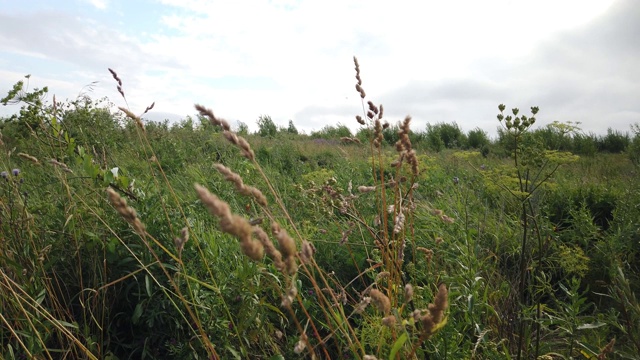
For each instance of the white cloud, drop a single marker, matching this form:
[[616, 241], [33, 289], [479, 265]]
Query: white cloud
[[293, 59], [99, 4]]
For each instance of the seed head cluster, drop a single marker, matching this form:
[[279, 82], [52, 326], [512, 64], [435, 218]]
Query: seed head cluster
[[128, 213], [231, 223]]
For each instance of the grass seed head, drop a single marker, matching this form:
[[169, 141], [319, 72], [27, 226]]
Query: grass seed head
[[380, 300]]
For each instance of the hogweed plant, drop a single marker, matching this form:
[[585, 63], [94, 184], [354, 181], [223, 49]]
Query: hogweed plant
[[532, 170]]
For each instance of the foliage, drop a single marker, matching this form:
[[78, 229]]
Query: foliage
[[291, 129], [266, 126], [443, 135], [634, 147], [84, 274]]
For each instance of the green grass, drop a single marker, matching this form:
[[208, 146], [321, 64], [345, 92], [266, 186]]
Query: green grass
[[79, 281]]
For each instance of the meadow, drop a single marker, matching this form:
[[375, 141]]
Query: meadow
[[129, 239]]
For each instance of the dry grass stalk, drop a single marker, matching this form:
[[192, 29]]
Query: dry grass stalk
[[243, 189], [287, 247], [29, 157], [307, 252], [117, 79], [389, 321], [62, 166], [232, 224], [608, 349], [382, 275], [408, 292], [377, 133], [380, 300], [292, 292], [359, 83], [128, 213], [208, 113], [435, 313], [347, 140], [180, 241], [362, 305], [404, 147], [399, 222], [366, 189], [132, 116], [241, 143], [300, 345], [269, 248]]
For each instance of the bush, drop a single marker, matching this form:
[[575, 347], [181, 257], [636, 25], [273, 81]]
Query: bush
[[477, 139], [634, 147], [444, 135], [266, 126], [614, 142]]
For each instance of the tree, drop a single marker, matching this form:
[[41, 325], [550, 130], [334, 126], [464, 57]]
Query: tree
[[477, 138], [292, 128], [243, 129], [266, 126]]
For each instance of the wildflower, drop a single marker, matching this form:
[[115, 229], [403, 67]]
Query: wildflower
[[15, 172], [456, 180], [5, 175]]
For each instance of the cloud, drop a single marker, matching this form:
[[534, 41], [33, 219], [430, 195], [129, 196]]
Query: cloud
[[99, 4], [438, 61], [587, 74]]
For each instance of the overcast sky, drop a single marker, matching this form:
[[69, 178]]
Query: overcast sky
[[439, 61]]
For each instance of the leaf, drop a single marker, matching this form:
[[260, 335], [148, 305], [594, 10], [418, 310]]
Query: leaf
[[137, 312], [591, 326], [398, 345], [66, 324], [147, 282], [67, 221]]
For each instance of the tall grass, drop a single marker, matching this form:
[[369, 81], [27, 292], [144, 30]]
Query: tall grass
[[158, 242]]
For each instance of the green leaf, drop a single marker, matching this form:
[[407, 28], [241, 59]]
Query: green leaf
[[137, 313], [147, 282], [66, 324], [398, 345], [591, 326]]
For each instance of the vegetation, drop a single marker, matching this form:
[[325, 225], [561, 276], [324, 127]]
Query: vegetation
[[125, 239]]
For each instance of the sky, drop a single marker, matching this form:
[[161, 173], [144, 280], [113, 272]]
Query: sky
[[438, 61]]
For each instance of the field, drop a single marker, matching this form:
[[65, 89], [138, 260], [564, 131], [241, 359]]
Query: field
[[128, 239]]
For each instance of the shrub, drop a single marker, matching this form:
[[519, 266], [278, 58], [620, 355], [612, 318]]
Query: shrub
[[266, 126]]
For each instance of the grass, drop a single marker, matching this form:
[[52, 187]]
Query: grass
[[183, 241]]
